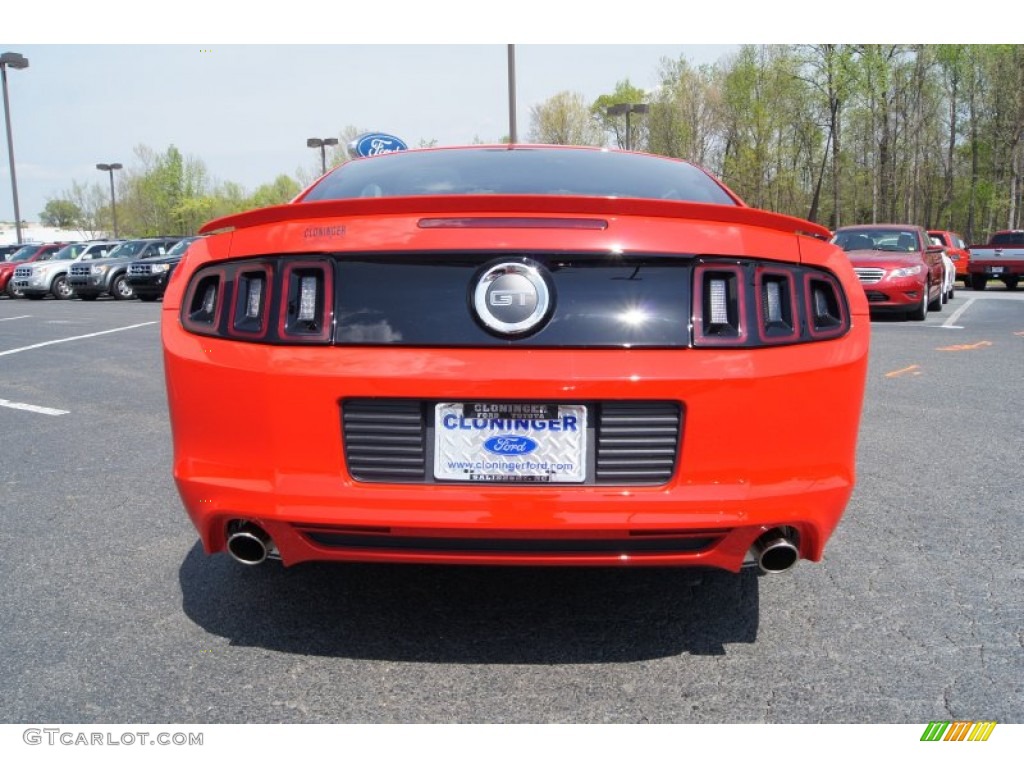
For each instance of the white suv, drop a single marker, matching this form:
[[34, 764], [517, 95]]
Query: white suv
[[49, 274]]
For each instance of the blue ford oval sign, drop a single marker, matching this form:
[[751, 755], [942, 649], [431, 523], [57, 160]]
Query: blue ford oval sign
[[370, 144], [510, 445]]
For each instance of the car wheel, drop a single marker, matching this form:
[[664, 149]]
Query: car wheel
[[13, 292], [1011, 283], [952, 291], [920, 312], [120, 289], [978, 282], [935, 306], [61, 289]]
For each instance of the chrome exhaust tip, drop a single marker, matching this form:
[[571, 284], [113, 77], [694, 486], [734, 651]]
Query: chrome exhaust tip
[[249, 544], [776, 551]]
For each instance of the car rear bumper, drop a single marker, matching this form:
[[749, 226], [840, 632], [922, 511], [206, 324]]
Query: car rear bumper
[[769, 440]]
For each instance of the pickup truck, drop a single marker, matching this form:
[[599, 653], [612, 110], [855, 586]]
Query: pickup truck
[[1002, 258]]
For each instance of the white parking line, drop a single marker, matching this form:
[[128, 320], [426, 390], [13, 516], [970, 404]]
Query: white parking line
[[17, 317], [76, 338], [956, 315], [34, 408]]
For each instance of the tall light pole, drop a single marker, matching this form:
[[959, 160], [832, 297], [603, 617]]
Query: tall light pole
[[110, 168], [512, 136], [15, 61], [627, 110], [323, 144]]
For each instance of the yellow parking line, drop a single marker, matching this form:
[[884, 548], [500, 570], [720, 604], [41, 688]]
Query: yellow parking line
[[964, 347], [913, 370]]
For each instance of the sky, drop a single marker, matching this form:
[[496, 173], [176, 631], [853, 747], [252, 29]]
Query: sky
[[246, 110], [241, 89]]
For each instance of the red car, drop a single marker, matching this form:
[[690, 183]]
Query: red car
[[520, 356], [25, 255], [899, 267], [957, 250]]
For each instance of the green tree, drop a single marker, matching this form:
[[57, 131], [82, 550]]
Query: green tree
[[624, 93], [565, 118], [281, 190], [61, 213], [686, 114], [829, 69]]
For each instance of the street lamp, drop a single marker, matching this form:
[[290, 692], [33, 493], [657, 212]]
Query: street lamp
[[323, 144], [15, 61], [627, 110], [110, 168]]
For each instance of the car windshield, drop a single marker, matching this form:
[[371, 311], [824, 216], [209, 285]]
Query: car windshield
[[519, 171], [23, 254], [896, 240], [180, 247], [131, 248], [67, 252]]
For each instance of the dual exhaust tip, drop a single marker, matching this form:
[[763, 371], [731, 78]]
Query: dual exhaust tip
[[249, 544], [775, 551]]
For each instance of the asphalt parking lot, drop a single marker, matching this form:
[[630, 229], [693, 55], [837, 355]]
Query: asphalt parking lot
[[112, 613]]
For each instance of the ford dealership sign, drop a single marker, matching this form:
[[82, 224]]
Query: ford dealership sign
[[370, 144]]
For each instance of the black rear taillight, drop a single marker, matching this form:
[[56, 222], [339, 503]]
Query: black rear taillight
[[265, 300], [251, 305], [777, 305], [720, 308], [203, 301], [827, 317], [759, 304], [308, 301]]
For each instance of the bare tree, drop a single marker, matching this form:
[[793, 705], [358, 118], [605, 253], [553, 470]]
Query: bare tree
[[565, 118]]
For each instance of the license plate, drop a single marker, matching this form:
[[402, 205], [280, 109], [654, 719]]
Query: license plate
[[995, 270], [510, 443]]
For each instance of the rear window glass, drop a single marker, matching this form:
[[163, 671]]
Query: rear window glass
[[1008, 238], [520, 171]]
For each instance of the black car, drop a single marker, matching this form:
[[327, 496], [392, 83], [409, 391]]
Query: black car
[[108, 275], [149, 277]]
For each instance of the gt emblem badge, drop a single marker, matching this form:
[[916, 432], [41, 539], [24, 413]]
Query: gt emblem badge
[[512, 298]]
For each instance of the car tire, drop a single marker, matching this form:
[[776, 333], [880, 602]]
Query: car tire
[[13, 292], [1011, 283], [952, 291], [61, 288], [120, 289], [920, 312], [935, 306], [978, 282]]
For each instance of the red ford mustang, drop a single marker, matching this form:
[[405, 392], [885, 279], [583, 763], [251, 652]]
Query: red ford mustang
[[516, 355]]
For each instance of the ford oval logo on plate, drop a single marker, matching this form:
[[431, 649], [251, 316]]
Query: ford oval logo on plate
[[510, 445], [370, 144]]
